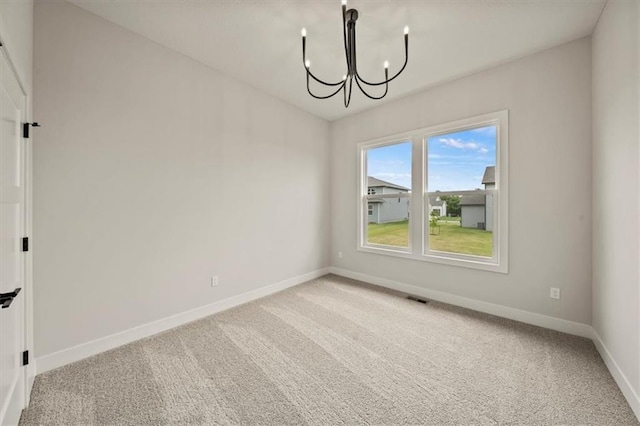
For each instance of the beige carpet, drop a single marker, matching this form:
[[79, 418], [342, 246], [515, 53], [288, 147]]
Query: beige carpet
[[334, 351]]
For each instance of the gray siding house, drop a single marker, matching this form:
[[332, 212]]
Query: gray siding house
[[383, 210], [476, 211], [437, 205]]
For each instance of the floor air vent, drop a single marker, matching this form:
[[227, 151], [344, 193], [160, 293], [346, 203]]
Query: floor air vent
[[417, 299]]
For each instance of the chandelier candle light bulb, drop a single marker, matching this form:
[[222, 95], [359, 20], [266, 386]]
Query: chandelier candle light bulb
[[349, 18]]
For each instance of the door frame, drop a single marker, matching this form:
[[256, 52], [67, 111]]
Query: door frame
[[29, 372]]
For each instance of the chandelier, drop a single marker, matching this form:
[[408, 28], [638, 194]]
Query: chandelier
[[349, 18]]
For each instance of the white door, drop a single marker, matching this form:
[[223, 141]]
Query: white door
[[12, 214]]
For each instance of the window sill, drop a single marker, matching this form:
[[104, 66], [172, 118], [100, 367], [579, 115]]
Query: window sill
[[442, 259]]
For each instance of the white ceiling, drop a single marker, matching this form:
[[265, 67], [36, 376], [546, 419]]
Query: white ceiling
[[259, 42]]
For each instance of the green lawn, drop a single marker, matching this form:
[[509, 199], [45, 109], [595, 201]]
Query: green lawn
[[389, 234], [452, 237], [449, 219]]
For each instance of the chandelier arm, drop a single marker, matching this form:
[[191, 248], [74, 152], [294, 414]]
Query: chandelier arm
[[320, 81], [304, 64], [323, 97], [386, 89], [406, 59], [347, 101]]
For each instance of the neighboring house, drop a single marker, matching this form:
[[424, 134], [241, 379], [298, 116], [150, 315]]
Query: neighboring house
[[437, 205], [489, 178], [382, 210], [476, 211]]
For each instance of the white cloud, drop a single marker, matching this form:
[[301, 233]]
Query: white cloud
[[454, 143], [460, 144]]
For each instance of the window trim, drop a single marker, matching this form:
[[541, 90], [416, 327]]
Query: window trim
[[418, 197], [363, 197]]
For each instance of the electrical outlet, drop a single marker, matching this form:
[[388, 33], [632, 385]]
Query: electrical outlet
[[339, 255], [554, 293], [214, 281]]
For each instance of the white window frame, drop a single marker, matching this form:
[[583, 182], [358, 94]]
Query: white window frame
[[419, 202], [363, 199]]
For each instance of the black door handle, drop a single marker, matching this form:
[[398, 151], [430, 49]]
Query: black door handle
[[7, 298]]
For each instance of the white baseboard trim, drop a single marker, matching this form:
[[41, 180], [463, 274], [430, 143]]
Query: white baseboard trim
[[621, 379], [85, 350], [31, 377], [558, 324]]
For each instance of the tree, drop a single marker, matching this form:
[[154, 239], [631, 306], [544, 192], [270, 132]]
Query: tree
[[433, 223], [453, 204], [434, 218]]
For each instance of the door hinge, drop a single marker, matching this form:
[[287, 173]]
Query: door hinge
[[25, 129], [25, 244], [25, 358]]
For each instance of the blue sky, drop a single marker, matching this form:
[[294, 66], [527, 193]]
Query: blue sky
[[391, 163], [456, 160]]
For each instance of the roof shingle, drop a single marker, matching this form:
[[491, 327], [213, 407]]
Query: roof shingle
[[371, 181], [489, 175], [473, 200]]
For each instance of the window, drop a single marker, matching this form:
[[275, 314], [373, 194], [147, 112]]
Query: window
[[459, 175], [461, 168], [387, 185]]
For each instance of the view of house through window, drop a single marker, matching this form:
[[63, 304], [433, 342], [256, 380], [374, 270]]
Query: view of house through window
[[456, 211], [388, 191], [460, 182]]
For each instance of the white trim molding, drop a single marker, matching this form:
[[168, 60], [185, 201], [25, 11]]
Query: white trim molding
[[621, 379], [94, 347]]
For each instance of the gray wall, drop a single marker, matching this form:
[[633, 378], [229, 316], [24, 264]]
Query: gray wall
[[393, 210], [375, 213], [149, 174], [548, 93], [616, 137], [471, 215], [16, 23]]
